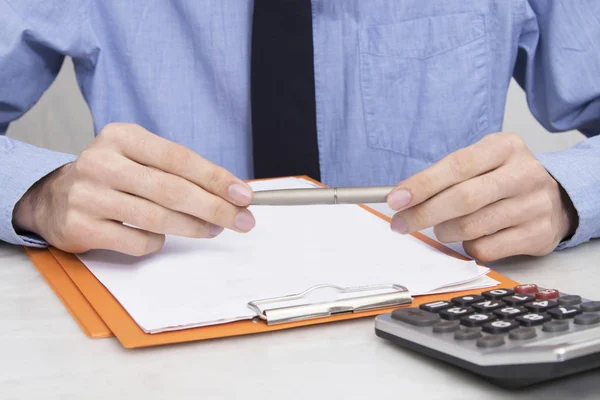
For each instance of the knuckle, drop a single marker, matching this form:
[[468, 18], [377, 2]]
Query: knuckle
[[88, 162], [538, 172], [219, 211], [157, 220], [111, 132], [465, 227], [468, 197], [74, 231], [442, 233], [460, 163], [215, 178], [513, 143], [479, 250], [171, 196]]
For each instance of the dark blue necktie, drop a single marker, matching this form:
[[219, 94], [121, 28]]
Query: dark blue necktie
[[284, 133]]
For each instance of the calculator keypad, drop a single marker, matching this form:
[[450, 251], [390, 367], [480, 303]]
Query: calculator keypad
[[467, 300], [587, 319], [496, 317], [590, 306], [556, 326], [497, 294], [455, 313], [564, 312], [547, 294], [476, 319], [518, 299], [533, 319], [523, 333], [569, 300], [539, 306], [488, 305], [435, 306], [497, 327], [510, 312]]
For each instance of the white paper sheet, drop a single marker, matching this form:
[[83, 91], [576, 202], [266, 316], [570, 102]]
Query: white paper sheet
[[196, 282]]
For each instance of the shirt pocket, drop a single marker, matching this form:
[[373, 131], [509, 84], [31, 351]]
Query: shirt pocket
[[424, 84]]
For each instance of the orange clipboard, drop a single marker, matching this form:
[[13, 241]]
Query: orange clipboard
[[100, 315]]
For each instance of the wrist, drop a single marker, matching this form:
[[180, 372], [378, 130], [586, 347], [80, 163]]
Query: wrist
[[570, 218], [29, 209]]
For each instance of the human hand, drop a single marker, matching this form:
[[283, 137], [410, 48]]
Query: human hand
[[494, 196], [128, 175]]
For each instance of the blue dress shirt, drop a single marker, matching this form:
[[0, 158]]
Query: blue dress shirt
[[399, 83]]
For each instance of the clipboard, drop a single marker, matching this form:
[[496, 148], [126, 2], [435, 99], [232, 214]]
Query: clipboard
[[100, 315]]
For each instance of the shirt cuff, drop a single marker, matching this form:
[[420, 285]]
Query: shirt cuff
[[576, 170], [22, 165]]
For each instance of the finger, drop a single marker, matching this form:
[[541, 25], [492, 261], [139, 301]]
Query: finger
[[485, 155], [110, 235], [175, 193], [491, 219], [152, 217], [461, 199], [526, 239], [145, 148]]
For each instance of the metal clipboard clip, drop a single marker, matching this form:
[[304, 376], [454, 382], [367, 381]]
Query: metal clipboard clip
[[281, 315]]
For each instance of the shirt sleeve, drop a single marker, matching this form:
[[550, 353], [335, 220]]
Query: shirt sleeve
[[34, 39], [557, 65]]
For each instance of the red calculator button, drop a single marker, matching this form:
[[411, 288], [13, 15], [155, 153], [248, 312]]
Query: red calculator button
[[547, 294], [529, 288]]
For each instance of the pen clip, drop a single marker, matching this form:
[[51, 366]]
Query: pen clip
[[399, 296]]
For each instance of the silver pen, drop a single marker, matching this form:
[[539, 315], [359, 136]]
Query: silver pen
[[345, 195]]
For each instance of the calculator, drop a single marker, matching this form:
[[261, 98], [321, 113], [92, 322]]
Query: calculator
[[512, 337]]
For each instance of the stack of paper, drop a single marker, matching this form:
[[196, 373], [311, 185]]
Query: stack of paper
[[193, 282]]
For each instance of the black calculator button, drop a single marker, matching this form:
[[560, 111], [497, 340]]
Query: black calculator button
[[488, 305], [497, 294], [539, 306], [564, 312], [468, 334], [490, 341], [587, 319], [446, 326], [569, 300], [498, 327], [510, 312], [518, 299], [467, 300], [415, 317], [522, 333], [590, 306], [455, 313], [435, 307], [476, 319], [556, 326], [533, 319]]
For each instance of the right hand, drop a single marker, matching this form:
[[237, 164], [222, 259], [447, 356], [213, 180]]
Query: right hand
[[128, 175]]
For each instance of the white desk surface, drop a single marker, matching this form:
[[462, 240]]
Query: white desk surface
[[44, 354]]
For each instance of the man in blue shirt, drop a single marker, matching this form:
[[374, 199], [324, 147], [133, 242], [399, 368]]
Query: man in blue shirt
[[406, 92]]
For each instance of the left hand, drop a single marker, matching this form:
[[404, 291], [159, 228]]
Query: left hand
[[494, 196]]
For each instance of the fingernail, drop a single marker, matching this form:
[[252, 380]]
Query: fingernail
[[240, 193], [398, 199], [244, 221], [399, 226], [214, 230]]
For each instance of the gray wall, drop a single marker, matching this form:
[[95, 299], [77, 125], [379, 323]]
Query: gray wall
[[61, 120]]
